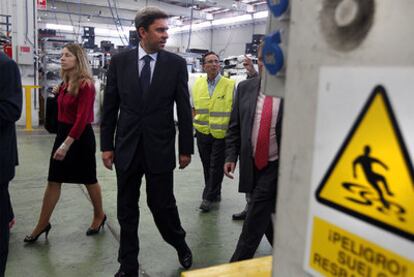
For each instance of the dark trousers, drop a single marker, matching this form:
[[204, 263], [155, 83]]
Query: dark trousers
[[212, 154], [248, 197], [160, 200], [258, 219], [5, 212]]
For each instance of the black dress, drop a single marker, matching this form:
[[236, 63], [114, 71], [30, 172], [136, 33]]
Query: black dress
[[79, 164]]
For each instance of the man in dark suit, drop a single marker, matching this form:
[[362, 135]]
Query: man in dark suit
[[10, 110], [251, 73], [254, 137], [142, 85]]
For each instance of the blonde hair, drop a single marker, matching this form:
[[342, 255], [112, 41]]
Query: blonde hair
[[81, 74]]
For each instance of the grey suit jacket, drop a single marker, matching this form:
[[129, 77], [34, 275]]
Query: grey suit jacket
[[10, 110], [238, 139]]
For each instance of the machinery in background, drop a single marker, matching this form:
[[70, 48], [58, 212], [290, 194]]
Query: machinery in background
[[234, 65], [5, 38], [50, 48]]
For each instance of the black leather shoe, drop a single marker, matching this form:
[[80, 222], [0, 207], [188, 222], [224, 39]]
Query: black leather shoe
[[205, 206], [239, 216], [185, 257]]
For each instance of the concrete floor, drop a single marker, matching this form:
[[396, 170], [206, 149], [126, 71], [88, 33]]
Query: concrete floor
[[68, 252]]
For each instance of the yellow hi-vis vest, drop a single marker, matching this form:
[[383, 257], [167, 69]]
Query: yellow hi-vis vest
[[212, 114]]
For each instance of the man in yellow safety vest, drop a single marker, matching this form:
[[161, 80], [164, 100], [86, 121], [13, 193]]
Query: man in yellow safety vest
[[212, 98]]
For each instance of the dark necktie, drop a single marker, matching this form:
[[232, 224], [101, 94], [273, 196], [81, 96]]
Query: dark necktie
[[145, 78], [262, 147]]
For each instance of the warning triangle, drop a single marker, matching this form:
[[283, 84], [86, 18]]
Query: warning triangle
[[372, 177]]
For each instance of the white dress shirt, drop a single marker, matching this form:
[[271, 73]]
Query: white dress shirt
[[141, 62], [273, 147]]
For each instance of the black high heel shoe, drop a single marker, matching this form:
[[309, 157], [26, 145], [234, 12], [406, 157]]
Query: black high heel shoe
[[31, 238], [91, 231]]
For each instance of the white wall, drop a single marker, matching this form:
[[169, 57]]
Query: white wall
[[23, 26], [229, 41], [199, 39], [5, 8]]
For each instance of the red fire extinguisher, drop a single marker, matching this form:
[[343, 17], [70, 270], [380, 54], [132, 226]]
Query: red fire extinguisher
[[8, 50]]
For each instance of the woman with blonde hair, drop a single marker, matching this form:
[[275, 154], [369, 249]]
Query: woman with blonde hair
[[73, 155]]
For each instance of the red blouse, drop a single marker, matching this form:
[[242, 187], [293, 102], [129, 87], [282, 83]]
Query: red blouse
[[76, 110]]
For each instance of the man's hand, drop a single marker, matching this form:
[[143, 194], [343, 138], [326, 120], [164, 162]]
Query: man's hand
[[108, 159], [248, 65], [229, 169], [184, 160]]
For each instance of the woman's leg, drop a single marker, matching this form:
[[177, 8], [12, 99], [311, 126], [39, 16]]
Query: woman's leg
[[51, 197], [96, 198]]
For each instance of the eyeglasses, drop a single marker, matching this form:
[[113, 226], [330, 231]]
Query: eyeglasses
[[212, 61]]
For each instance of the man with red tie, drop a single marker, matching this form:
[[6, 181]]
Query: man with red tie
[[253, 137]]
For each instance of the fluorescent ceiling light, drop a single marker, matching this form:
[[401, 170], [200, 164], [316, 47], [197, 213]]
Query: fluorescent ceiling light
[[228, 20], [59, 27], [263, 14], [100, 31], [219, 22]]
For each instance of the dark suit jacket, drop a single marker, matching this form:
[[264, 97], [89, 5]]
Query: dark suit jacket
[[238, 139], [10, 110], [149, 118]]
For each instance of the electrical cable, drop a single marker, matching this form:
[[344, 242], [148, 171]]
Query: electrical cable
[[119, 19], [79, 22], [57, 21], [71, 20], [70, 16], [190, 31], [27, 25], [115, 21], [230, 37]]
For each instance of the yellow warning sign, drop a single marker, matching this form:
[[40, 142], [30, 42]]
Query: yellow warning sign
[[372, 177], [336, 252]]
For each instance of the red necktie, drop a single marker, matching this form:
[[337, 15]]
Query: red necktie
[[262, 147]]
